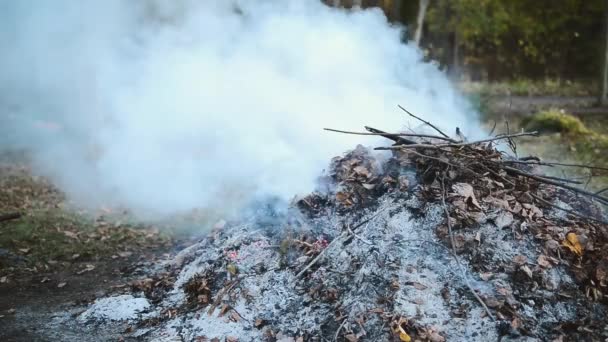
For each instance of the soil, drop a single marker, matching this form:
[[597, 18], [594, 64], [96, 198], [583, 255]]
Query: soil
[[29, 304]]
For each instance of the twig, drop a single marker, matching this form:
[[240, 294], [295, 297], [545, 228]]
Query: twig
[[555, 164], [602, 199], [571, 212], [397, 140], [424, 121], [601, 191], [340, 328], [515, 135], [10, 216], [391, 134], [334, 241]]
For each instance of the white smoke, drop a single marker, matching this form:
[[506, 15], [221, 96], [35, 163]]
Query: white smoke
[[168, 105]]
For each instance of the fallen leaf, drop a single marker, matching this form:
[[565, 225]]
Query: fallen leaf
[[70, 234], [571, 242], [466, 190], [520, 259], [62, 284], [24, 250], [351, 338], [403, 336], [527, 271], [3, 280], [369, 186], [503, 220], [543, 261], [486, 276]]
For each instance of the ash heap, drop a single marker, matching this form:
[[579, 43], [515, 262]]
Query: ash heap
[[437, 240]]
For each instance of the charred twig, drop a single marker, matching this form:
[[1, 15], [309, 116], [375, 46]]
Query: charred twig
[[502, 137], [397, 140], [552, 164], [571, 212], [10, 216], [334, 241], [425, 122], [541, 179], [391, 134], [601, 191]]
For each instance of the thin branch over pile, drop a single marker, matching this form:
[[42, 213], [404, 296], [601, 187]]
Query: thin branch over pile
[[480, 158]]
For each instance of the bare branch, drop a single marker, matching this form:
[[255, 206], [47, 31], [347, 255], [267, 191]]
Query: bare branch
[[424, 121]]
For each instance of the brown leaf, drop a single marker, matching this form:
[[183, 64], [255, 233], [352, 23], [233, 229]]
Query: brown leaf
[[486, 276], [527, 271], [520, 259], [572, 243], [543, 261], [466, 190], [351, 338], [70, 234]]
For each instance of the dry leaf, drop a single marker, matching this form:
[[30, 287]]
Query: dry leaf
[[466, 190], [3, 280], [369, 186], [527, 271], [543, 261], [24, 250], [351, 337], [520, 259], [571, 242], [503, 220], [70, 234], [403, 336], [62, 284]]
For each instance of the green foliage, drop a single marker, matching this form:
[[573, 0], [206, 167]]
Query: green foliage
[[555, 121], [512, 38]]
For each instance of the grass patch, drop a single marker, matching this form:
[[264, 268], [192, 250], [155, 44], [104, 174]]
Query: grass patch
[[526, 87], [555, 120], [48, 234]]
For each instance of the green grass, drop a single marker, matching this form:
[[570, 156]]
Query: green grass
[[49, 234], [44, 237], [527, 87]]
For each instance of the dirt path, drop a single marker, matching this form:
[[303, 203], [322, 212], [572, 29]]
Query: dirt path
[[29, 304]]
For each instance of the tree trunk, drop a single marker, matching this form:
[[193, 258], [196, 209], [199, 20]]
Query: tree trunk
[[604, 83], [422, 6], [357, 3]]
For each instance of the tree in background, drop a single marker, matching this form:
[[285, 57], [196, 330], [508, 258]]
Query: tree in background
[[604, 79]]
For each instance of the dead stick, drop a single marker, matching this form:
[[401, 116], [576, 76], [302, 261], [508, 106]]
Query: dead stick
[[426, 122], [602, 199], [571, 212], [10, 216], [522, 134], [391, 134], [552, 164], [397, 140], [343, 234]]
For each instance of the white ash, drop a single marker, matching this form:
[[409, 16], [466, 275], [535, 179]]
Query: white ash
[[397, 247], [117, 308]]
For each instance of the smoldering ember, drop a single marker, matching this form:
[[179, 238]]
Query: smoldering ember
[[444, 240]]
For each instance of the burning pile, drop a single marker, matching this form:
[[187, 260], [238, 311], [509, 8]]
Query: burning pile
[[443, 240]]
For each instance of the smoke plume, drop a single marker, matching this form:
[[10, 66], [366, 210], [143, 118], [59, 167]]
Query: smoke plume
[[167, 105]]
